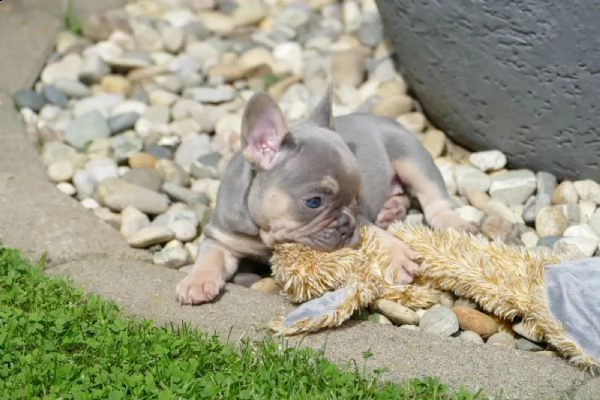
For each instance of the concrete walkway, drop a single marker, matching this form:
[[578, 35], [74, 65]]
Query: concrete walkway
[[36, 218]]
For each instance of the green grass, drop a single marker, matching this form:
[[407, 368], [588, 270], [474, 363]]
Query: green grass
[[56, 342], [70, 20]]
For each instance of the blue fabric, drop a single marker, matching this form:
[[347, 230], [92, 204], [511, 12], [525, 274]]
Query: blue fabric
[[573, 290]]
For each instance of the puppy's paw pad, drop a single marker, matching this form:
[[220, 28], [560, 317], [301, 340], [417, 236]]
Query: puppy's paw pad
[[198, 290]]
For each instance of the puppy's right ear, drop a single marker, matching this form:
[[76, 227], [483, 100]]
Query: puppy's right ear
[[263, 132]]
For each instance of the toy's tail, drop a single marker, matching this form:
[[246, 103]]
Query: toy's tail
[[327, 311]]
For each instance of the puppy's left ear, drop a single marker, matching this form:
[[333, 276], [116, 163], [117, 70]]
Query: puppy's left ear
[[322, 115], [264, 132]]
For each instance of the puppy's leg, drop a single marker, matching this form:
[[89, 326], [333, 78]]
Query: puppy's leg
[[214, 266], [402, 257], [427, 184], [393, 210], [395, 207]]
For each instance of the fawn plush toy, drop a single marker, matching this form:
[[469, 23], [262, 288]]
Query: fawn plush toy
[[559, 303]]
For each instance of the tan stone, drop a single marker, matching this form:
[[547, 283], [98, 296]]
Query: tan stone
[[434, 141], [116, 84], [397, 313], [229, 72], [266, 285], [348, 67], [392, 88], [414, 122], [142, 160], [478, 198], [476, 321], [565, 193], [393, 106]]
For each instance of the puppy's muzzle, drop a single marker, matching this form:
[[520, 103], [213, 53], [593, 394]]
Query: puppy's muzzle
[[348, 229]]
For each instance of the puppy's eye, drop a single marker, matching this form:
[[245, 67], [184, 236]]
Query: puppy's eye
[[313, 202]]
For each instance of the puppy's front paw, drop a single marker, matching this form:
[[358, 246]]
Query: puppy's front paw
[[402, 257], [199, 288]]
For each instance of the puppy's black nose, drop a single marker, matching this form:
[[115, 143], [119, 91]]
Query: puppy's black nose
[[347, 227]]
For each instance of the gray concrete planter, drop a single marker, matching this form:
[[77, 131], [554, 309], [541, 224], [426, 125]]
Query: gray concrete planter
[[522, 77]]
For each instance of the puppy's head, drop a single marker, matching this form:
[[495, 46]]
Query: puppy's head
[[307, 184]]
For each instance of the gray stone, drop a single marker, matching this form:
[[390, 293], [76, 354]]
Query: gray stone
[[174, 257], [132, 221], [246, 279], [371, 34], [118, 194], [209, 94], [523, 331], [502, 339], [130, 60], [55, 96], [100, 169], [172, 172], [84, 129], [93, 69], [186, 195], [543, 118], [27, 98], [175, 213], [206, 166], [101, 103], [439, 320], [83, 183], [122, 122], [469, 178], [470, 336], [56, 151], [513, 187], [144, 177], [125, 145], [190, 149], [548, 241], [160, 152], [526, 345], [150, 236], [72, 88]]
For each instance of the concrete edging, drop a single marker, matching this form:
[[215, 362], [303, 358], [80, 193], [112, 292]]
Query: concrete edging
[[37, 218]]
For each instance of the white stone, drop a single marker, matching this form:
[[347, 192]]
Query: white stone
[[470, 213], [586, 246], [469, 178], [582, 230], [491, 160], [529, 239], [184, 230], [587, 189], [66, 188], [61, 171], [89, 203]]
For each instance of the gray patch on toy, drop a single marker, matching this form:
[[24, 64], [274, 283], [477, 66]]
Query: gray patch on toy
[[315, 308], [573, 290]]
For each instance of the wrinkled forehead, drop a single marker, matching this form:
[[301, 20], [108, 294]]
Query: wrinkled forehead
[[320, 163]]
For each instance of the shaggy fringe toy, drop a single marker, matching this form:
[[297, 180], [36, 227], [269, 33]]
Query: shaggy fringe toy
[[506, 281]]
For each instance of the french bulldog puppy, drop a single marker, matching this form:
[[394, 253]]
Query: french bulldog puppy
[[314, 183]]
